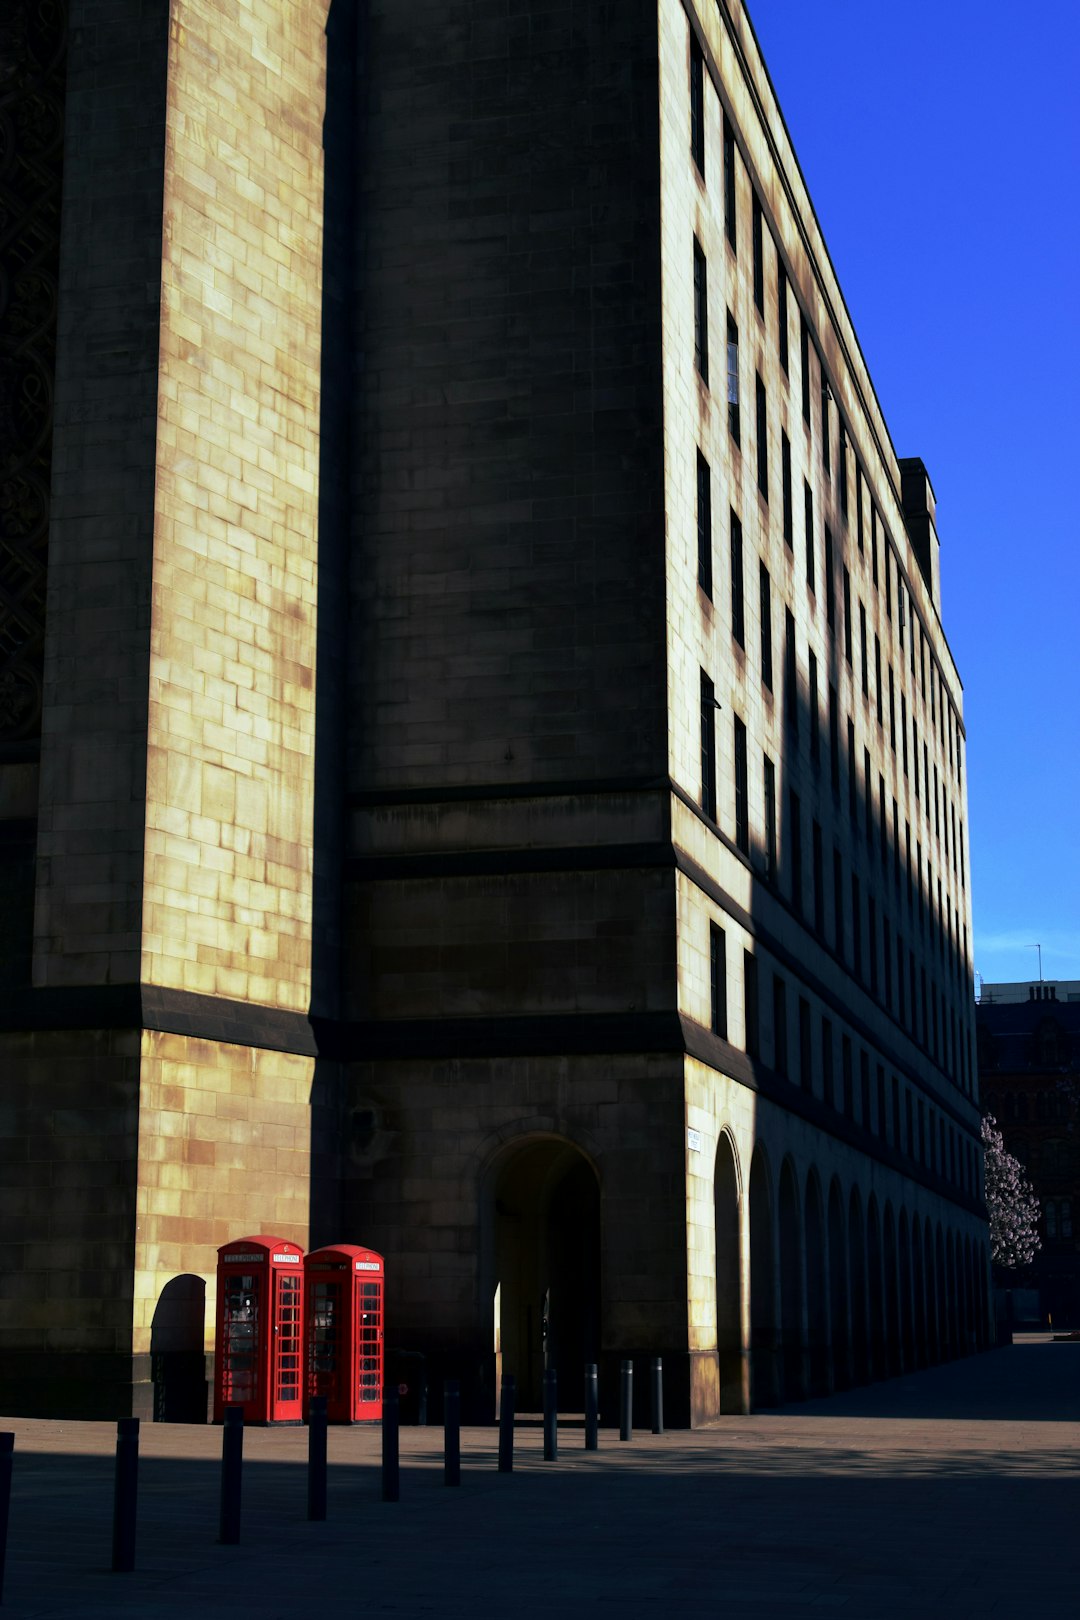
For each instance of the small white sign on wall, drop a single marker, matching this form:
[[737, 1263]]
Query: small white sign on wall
[[693, 1139]]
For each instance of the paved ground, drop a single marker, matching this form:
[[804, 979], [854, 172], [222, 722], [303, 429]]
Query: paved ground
[[952, 1493]]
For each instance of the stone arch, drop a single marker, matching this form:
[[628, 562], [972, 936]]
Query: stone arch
[[919, 1291], [892, 1294], [730, 1353], [763, 1368], [817, 1289], [860, 1340], [792, 1355], [838, 1292], [542, 1283], [876, 1290], [907, 1327]]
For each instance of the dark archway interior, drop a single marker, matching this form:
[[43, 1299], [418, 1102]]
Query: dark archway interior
[[547, 1267], [728, 1281]]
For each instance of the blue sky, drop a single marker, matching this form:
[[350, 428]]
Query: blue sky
[[940, 144]]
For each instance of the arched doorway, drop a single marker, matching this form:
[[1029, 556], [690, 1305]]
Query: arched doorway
[[763, 1370], [838, 1294], [546, 1301], [877, 1290], [907, 1330], [892, 1296], [921, 1352], [860, 1344], [791, 1293], [817, 1290], [734, 1391]]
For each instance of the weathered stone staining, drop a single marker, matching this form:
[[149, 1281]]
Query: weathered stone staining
[[500, 793]]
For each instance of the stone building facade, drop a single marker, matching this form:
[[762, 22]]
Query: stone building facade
[[482, 771]]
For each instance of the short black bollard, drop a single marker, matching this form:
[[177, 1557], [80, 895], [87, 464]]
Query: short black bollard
[[506, 1424], [7, 1458], [626, 1400], [551, 1415], [316, 1459], [232, 1469], [125, 1495], [657, 1395], [592, 1409], [391, 1467], [451, 1432]]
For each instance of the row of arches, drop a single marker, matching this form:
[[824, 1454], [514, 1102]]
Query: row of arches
[[839, 1291]]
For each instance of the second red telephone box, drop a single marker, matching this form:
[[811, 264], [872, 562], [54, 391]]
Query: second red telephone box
[[344, 1288], [260, 1317]]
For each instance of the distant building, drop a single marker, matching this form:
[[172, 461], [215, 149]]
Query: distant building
[[1029, 1078]]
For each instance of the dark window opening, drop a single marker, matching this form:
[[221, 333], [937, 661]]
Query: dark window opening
[[729, 181], [704, 525], [762, 437], [759, 258], [697, 106], [734, 426], [718, 979], [738, 620], [808, 516], [742, 815], [708, 746], [766, 628]]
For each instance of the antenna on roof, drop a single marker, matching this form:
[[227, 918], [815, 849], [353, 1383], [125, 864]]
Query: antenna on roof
[[1038, 948]]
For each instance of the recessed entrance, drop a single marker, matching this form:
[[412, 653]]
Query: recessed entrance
[[546, 1290]]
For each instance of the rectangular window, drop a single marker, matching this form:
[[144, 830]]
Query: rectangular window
[[853, 778], [762, 437], [804, 356], [834, 739], [781, 313], [896, 842], [808, 520], [785, 468], [856, 926], [915, 754], [883, 826], [766, 626], [873, 545], [892, 710], [751, 1018], [888, 576], [903, 730], [806, 1076], [729, 181], [742, 812], [819, 882], [871, 919], [738, 618], [877, 679], [847, 614], [770, 820], [791, 694], [838, 902], [734, 427], [708, 747], [815, 718], [718, 979], [868, 790], [886, 942], [759, 258], [830, 583], [900, 1005], [900, 610], [704, 525], [862, 645], [826, 447], [844, 476], [697, 106], [780, 1037], [848, 1077], [795, 833], [701, 314]]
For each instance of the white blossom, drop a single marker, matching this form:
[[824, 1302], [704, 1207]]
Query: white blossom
[[1010, 1202]]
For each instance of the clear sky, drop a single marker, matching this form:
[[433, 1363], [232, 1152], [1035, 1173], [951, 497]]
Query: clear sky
[[940, 143]]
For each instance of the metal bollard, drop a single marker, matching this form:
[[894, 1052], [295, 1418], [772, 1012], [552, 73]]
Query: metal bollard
[[506, 1424], [316, 1459], [125, 1495], [657, 1395], [626, 1400], [7, 1458], [391, 1470], [551, 1415], [451, 1432], [232, 1469], [592, 1409]]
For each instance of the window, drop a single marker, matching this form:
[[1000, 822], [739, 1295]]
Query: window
[[903, 730], [888, 578], [856, 925], [826, 447], [915, 754], [844, 476], [815, 718], [708, 747], [791, 695], [806, 1076], [697, 106], [704, 525], [892, 710], [862, 646], [759, 258], [886, 943], [847, 615], [871, 908], [873, 545], [868, 785], [780, 1037], [900, 611], [718, 979], [770, 820], [701, 314], [785, 467], [853, 779], [830, 583], [819, 882], [848, 1077], [729, 182], [751, 1017], [781, 313], [733, 379], [808, 518], [877, 678], [834, 739], [901, 1010], [838, 901], [864, 1087], [804, 357], [742, 817], [795, 836], [762, 437], [738, 619], [883, 826], [766, 626]]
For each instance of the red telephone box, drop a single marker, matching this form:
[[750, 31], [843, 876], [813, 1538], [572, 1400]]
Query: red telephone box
[[344, 1288], [260, 1316]]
